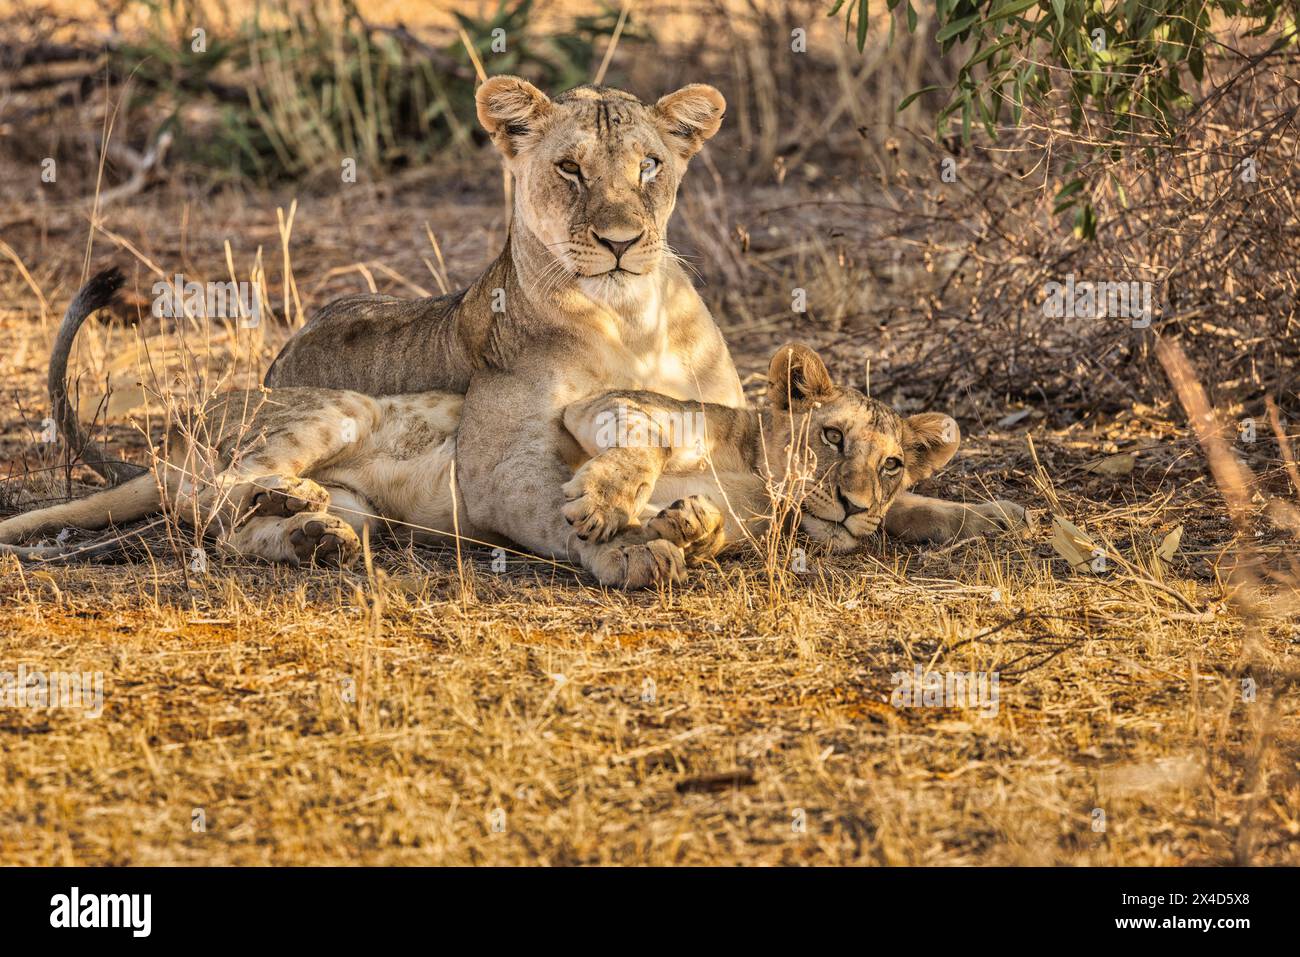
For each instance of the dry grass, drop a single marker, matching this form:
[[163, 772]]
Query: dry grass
[[227, 696], [387, 716]]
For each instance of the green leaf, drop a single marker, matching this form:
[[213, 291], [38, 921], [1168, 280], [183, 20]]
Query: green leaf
[[1010, 10], [862, 25], [988, 51], [1085, 223], [1058, 7], [907, 100], [1069, 189], [956, 27]]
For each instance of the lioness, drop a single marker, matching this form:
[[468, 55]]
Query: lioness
[[296, 474]]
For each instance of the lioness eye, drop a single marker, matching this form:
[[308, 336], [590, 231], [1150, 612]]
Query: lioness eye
[[569, 167], [833, 437], [892, 465], [649, 166]]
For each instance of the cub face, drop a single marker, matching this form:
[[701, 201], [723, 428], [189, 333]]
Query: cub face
[[596, 172], [852, 454]]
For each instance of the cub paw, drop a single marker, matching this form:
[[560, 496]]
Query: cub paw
[[322, 538], [987, 518], [1002, 515], [599, 508], [694, 524], [274, 496], [639, 566]]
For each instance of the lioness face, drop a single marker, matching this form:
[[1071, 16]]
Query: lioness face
[[596, 172], [857, 454]]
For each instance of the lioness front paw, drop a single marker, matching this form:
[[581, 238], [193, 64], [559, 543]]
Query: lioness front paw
[[599, 507], [694, 524], [322, 538], [639, 566]]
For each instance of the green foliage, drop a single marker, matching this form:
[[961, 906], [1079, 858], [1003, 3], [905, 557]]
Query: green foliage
[[1127, 60], [1123, 65]]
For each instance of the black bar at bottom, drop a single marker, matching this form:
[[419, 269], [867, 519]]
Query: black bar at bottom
[[617, 907]]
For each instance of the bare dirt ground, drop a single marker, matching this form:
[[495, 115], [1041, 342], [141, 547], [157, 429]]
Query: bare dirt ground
[[425, 711]]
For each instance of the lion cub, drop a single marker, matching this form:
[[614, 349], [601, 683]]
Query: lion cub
[[824, 458], [295, 475]]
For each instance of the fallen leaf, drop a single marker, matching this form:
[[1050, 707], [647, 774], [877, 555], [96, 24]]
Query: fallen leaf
[[953, 726], [1013, 418], [1121, 464], [1182, 771], [1169, 546], [1072, 544]]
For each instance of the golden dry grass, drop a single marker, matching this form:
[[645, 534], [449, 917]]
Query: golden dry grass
[[228, 696]]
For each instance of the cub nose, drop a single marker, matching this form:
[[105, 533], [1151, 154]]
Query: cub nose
[[617, 246], [851, 508]]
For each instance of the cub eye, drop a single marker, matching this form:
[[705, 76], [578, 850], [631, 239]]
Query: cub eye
[[833, 437], [569, 167], [892, 466], [649, 166]]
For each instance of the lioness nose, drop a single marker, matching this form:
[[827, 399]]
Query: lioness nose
[[617, 246]]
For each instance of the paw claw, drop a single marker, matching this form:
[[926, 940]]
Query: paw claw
[[324, 539], [640, 566], [694, 524], [601, 501]]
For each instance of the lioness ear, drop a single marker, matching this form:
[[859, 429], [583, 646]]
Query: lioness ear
[[930, 439], [513, 111], [797, 377], [690, 116]]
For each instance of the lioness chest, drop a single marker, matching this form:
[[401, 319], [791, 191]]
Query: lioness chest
[[660, 345]]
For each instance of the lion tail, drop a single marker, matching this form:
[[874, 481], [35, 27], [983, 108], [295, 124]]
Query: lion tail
[[94, 295], [115, 506]]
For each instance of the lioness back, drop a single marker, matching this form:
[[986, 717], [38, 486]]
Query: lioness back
[[366, 343]]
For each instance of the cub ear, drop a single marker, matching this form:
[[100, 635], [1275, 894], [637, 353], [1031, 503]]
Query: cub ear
[[690, 116], [513, 111], [797, 377], [930, 439]]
